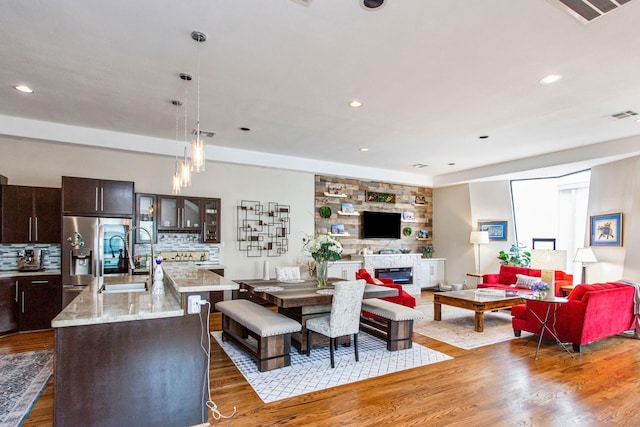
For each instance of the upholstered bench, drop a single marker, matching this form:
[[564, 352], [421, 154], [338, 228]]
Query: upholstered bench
[[394, 323], [272, 331]]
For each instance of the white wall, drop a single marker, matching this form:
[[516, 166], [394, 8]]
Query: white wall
[[38, 163], [615, 188]]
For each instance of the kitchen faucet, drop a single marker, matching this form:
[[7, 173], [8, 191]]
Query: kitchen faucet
[[135, 227]]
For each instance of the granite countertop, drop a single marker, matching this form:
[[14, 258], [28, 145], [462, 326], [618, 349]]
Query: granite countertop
[[94, 307], [190, 277], [16, 273]]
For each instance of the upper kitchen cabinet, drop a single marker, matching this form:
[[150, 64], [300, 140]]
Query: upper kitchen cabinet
[[97, 197], [145, 218], [211, 220], [179, 213], [30, 214]]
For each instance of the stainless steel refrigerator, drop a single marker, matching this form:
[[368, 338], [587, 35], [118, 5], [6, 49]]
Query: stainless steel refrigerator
[[92, 247]]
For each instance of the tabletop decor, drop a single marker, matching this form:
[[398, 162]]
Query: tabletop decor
[[322, 249], [427, 251], [540, 290]]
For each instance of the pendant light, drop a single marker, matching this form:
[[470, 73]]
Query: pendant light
[[175, 179], [185, 164], [197, 146]]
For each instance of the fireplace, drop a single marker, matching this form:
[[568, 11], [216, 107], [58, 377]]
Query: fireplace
[[400, 275]]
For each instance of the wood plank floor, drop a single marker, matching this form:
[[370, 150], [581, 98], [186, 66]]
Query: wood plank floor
[[497, 385]]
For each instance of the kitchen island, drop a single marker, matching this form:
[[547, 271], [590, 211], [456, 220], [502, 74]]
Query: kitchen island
[[131, 357]]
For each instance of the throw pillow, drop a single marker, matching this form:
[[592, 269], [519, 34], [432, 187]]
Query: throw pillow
[[525, 282]]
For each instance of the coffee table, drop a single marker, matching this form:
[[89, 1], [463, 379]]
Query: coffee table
[[477, 300]]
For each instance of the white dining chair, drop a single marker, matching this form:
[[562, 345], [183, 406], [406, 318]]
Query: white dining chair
[[287, 274], [344, 319]]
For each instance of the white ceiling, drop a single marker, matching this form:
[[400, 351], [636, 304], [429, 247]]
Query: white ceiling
[[433, 76]]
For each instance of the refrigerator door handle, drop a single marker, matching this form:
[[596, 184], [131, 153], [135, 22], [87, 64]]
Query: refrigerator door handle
[[100, 263]]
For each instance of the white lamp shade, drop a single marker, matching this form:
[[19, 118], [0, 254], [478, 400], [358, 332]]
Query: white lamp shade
[[479, 237], [585, 255], [544, 259]]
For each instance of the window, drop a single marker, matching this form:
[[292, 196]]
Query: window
[[552, 208]]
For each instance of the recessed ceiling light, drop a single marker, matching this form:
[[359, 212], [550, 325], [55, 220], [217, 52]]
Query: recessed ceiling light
[[551, 78], [23, 89], [364, 149], [355, 104], [451, 164], [245, 129], [483, 136], [419, 165]]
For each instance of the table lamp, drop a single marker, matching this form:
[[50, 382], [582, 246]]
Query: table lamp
[[479, 238], [548, 261], [585, 256]]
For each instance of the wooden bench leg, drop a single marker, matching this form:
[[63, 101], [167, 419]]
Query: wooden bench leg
[[270, 352], [400, 335]]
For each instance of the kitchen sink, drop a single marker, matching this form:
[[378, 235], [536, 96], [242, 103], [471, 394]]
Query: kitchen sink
[[115, 288]]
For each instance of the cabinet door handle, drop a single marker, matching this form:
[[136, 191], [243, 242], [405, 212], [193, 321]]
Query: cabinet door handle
[[29, 228], [16, 291], [22, 302], [36, 229], [101, 199], [96, 199], [40, 282]]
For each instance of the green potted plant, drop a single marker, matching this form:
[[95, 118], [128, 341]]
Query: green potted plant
[[517, 256]]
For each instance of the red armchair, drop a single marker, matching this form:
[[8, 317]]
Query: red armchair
[[592, 312], [507, 277], [403, 297]]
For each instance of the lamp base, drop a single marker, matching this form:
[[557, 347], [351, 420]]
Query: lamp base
[[548, 276]]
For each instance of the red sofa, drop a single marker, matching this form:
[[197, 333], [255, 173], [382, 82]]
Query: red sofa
[[507, 277], [592, 312], [403, 297]]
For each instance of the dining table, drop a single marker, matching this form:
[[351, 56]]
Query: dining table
[[301, 300]]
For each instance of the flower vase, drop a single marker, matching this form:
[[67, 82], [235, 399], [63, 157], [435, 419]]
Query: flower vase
[[321, 272]]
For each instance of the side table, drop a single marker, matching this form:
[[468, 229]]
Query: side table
[[478, 276], [548, 323]]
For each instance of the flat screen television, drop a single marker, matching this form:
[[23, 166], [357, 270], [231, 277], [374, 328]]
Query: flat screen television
[[380, 225]]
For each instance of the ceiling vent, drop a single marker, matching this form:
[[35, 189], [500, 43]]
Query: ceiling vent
[[588, 10], [303, 2], [624, 115], [205, 133]]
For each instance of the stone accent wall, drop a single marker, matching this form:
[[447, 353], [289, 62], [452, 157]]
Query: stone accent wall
[[355, 191]]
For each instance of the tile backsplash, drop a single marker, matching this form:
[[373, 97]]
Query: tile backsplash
[[167, 242], [9, 255]]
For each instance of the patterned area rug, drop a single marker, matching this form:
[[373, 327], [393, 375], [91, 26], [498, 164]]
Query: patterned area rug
[[308, 374], [456, 327], [23, 376]]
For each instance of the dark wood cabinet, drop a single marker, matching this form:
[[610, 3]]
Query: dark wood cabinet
[[39, 301], [211, 220], [30, 214], [8, 305], [145, 217], [97, 197], [179, 214]]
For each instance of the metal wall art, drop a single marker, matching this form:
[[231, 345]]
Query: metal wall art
[[263, 231]]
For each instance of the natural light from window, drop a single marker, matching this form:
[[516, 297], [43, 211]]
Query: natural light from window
[[553, 208]]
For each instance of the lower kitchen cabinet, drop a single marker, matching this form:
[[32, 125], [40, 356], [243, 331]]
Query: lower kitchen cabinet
[[8, 305], [39, 301]]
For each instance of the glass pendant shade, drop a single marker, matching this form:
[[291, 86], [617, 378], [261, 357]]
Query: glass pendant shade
[[197, 154], [185, 171], [175, 181]]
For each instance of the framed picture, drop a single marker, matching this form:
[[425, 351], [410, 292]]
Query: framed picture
[[407, 216], [537, 243], [337, 228], [376, 196], [497, 229], [348, 208], [606, 230]]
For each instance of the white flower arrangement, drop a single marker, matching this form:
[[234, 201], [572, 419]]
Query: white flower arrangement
[[323, 248]]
